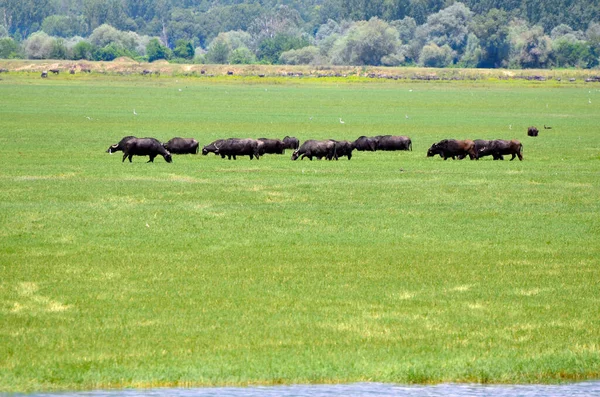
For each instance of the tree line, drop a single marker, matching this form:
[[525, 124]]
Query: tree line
[[436, 33]]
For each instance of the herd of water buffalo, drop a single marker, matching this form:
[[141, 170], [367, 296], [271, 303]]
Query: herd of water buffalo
[[329, 149]]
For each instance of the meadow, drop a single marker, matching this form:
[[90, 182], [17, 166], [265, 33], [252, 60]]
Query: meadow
[[390, 267]]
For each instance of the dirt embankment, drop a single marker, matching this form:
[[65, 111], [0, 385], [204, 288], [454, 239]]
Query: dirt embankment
[[128, 66]]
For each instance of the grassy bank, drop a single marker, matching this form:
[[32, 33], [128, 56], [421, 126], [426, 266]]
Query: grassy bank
[[390, 267]]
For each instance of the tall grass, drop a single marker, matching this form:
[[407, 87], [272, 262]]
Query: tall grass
[[391, 267]]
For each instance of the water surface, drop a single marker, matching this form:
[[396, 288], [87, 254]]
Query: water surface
[[357, 389]]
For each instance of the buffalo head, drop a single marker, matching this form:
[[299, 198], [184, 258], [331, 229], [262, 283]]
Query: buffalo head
[[295, 155]]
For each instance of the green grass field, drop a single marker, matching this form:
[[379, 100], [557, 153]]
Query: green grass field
[[390, 267]]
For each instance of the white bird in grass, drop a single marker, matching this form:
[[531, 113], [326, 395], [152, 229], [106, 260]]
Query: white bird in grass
[[589, 100], [510, 126], [88, 117], [134, 113], [342, 121], [406, 116]]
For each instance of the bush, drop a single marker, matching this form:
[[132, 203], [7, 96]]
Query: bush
[[310, 55], [9, 48], [38, 46], [436, 57], [155, 50], [242, 56], [84, 50]]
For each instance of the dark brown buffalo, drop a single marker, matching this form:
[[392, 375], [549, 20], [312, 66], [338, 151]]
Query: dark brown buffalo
[[366, 144], [182, 146], [390, 142], [500, 147], [313, 148], [343, 148], [482, 149], [271, 146], [233, 147], [145, 147], [291, 142], [452, 148], [119, 147], [532, 131]]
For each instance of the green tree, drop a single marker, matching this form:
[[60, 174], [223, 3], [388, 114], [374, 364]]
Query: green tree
[[218, 52], [366, 43], [155, 50], [183, 49], [271, 49], [59, 49], [492, 30], [84, 50], [8, 48], [434, 56], [64, 26], [242, 56]]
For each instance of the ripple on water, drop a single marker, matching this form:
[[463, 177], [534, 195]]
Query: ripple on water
[[354, 390]]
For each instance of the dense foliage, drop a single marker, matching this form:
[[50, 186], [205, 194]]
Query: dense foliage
[[472, 33]]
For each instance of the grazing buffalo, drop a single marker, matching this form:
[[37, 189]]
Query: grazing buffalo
[[145, 147], [233, 147], [271, 146], [389, 142], [452, 148], [182, 146], [318, 149], [343, 148], [501, 147], [532, 131], [119, 147], [291, 142], [366, 144], [212, 147]]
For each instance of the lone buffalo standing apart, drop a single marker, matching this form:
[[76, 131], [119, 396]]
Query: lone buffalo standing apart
[[271, 146], [366, 144], [390, 142], [119, 147], [343, 148], [451, 148], [291, 142], [145, 147], [182, 146], [233, 147], [532, 131], [313, 148]]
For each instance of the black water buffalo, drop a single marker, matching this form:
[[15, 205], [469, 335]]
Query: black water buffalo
[[212, 147], [500, 147], [182, 146], [313, 148], [451, 148], [233, 147], [119, 147], [271, 146], [291, 142], [145, 147], [366, 144], [533, 131], [343, 148], [390, 142]]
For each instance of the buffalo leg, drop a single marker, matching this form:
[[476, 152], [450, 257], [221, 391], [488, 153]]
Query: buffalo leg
[[513, 157], [130, 157], [151, 158], [124, 157]]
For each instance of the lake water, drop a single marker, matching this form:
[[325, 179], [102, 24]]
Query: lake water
[[357, 389]]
